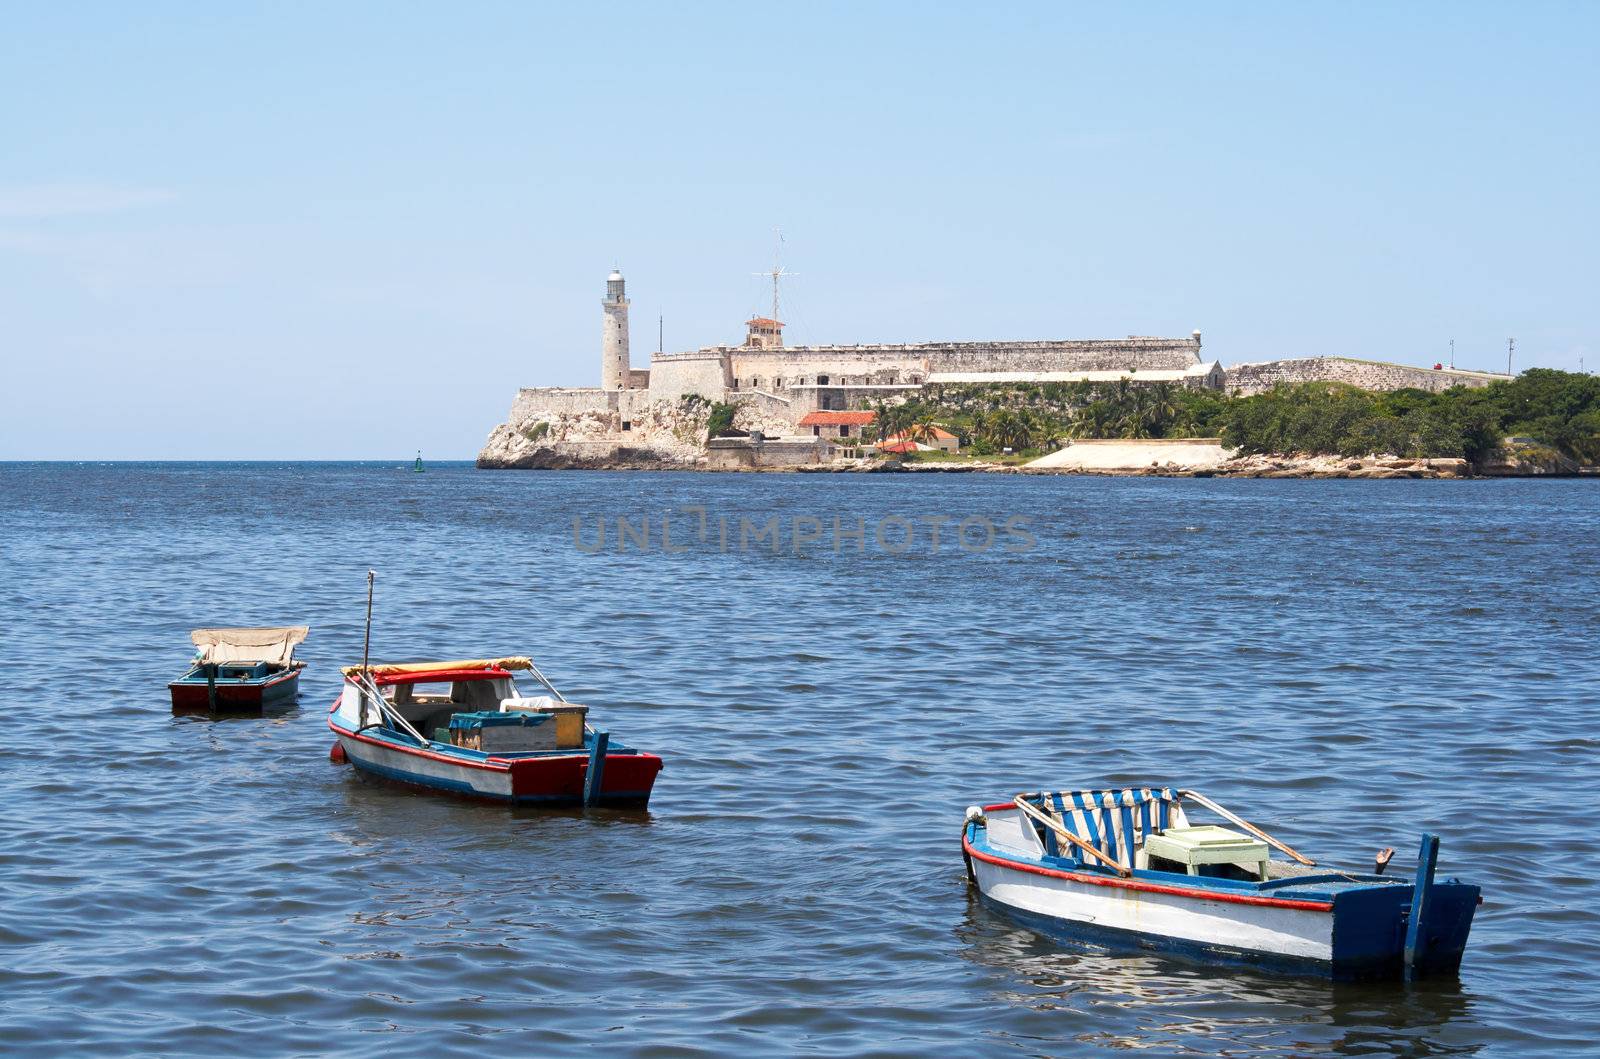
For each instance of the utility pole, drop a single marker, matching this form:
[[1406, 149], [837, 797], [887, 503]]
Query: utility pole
[[1511, 347], [661, 331], [1452, 354]]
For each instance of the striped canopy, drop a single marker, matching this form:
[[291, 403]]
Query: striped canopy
[[1114, 822]]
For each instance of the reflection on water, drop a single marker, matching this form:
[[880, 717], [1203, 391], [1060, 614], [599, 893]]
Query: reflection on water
[[1169, 1003]]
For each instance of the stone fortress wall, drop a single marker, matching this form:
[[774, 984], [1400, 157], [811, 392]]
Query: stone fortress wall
[[675, 375], [660, 414], [774, 369], [1246, 379], [1133, 354]]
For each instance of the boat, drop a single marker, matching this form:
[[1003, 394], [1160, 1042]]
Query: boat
[[240, 670], [1125, 869], [464, 728]]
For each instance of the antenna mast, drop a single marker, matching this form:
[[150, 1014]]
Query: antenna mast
[[778, 271], [1511, 347]]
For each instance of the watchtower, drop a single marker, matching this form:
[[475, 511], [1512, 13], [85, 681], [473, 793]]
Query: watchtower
[[614, 363], [763, 332]]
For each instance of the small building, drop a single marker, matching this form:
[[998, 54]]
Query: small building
[[763, 332], [940, 439], [834, 425]]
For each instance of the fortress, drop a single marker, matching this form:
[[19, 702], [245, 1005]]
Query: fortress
[[656, 416]]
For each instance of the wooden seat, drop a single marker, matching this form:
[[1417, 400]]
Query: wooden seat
[[1196, 846]]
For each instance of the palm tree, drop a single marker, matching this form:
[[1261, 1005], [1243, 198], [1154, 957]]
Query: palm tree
[[887, 417], [1096, 419], [1006, 428], [901, 418], [1163, 407], [890, 418], [925, 429]]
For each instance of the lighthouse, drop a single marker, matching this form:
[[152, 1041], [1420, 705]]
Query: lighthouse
[[614, 364]]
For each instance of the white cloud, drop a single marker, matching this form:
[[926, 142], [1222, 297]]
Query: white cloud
[[40, 201]]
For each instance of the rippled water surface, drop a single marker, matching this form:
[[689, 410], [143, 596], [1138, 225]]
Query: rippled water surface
[[1348, 662]]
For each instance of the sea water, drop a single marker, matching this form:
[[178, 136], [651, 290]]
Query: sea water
[[1346, 663]]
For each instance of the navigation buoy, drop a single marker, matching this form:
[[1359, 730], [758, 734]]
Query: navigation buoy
[[417, 468], [337, 755]]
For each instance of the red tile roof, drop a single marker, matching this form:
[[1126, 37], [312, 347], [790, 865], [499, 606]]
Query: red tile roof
[[897, 446], [837, 419], [763, 321], [939, 433]]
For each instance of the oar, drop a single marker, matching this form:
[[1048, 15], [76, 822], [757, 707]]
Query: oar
[[1253, 829], [1031, 810]]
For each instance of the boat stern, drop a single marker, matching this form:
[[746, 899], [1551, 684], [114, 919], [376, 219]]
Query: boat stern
[[625, 781], [1370, 926]]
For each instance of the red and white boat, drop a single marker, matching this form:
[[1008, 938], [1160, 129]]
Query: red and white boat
[[464, 728]]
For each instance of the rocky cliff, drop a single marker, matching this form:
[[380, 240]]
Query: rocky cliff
[[663, 434]]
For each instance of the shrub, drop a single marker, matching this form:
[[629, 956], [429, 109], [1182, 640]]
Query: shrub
[[720, 421]]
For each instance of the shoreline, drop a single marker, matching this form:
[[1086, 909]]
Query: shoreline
[[1275, 465]]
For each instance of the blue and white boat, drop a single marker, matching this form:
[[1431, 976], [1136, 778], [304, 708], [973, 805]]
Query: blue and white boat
[[1126, 869]]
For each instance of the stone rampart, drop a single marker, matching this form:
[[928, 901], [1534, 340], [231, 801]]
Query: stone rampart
[[842, 398], [534, 402], [1246, 379], [776, 369], [779, 369], [744, 454], [766, 404], [675, 375], [1129, 354]]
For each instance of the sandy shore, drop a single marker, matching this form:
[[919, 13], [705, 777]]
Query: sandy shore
[[1272, 466]]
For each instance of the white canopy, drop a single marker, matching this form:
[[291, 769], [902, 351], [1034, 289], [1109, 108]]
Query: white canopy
[[268, 644]]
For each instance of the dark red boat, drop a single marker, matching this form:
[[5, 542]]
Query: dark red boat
[[241, 671]]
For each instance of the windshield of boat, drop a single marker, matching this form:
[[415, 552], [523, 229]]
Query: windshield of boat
[[428, 704], [477, 694]]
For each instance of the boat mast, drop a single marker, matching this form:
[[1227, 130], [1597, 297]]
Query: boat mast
[[366, 645]]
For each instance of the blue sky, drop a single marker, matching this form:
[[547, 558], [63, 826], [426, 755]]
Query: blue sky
[[352, 230]]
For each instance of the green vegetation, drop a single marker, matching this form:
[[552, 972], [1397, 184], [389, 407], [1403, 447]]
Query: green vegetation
[[1559, 410], [1031, 418], [940, 456], [1556, 409], [537, 431], [721, 419]]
